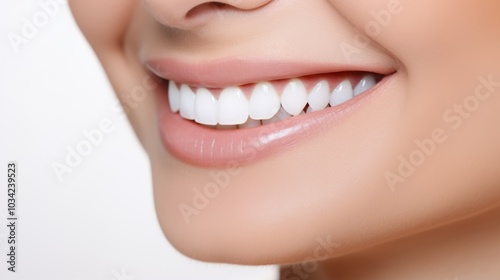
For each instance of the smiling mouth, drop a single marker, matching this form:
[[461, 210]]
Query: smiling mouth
[[268, 108], [262, 103]]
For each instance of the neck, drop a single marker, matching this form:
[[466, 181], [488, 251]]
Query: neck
[[466, 250]]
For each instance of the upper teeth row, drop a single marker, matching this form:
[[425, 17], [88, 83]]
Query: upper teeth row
[[233, 107]]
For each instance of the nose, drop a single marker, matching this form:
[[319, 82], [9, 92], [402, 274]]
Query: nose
[[186, 14]]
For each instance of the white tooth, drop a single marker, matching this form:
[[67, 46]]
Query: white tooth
[[365, 84], [294, 97], [309, 109], [233, 106], [187, 102], [205, 107], [319, 97], [264, 102], [281, 115], [173, 96], [250, 123], [342, 93]]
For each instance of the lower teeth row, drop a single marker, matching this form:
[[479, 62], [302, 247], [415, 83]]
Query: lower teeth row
[[232, 109]]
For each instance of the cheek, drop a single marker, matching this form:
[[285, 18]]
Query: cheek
[[431, 34], [443, 47]]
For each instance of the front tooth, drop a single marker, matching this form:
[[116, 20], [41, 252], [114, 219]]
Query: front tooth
[[319, 97], [281, 115], [250, 123], [294, 97], [187, 102], [264, 102], [205, 107], [233, 107], [365, 84], [342, 93], [173, 96]]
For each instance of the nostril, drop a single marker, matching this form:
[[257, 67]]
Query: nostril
[[207, 8]]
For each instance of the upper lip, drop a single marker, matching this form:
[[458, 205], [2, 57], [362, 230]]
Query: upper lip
[[238, 71]]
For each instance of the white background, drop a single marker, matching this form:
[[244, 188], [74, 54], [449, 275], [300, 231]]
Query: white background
[[99, 222]]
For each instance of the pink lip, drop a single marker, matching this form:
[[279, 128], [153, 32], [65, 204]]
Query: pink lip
[[229, 72], [202, 146], [207, 147]]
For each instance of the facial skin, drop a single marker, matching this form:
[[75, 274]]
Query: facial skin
[[334, 185]]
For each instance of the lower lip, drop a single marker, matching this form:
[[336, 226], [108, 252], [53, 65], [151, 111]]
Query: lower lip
[[207, 147]]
